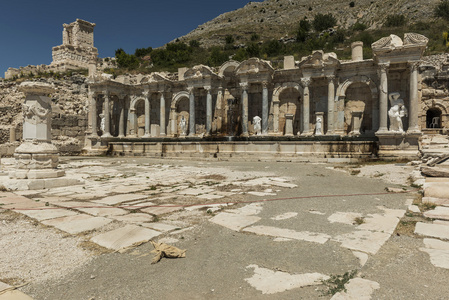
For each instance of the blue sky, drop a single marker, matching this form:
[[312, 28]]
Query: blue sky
[[30, 28]]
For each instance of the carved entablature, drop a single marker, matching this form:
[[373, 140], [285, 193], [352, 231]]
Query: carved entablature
[[255, 70], [200, 76], [319, 64], [154, 77], [395, 50]]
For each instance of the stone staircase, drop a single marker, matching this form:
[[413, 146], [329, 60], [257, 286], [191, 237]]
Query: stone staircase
[[434, 145]]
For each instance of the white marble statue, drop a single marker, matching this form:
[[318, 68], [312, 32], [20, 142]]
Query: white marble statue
[[183, 126], [396, 112], [102, 125], [257, 126], [319, 126]]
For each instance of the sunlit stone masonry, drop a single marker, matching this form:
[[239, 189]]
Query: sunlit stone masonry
[[318, 106]]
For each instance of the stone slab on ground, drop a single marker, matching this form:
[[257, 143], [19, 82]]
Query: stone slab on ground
[[440, 212], [77, 224], [319, 238], [438, 252], [12, 201], [234, 221], [344, 217], [432, 230], [435, 171], [436, 201], [134, 218], [437, 189], [14, 295], [363, 240], [124, 237], [104, 211], [160, 226], [380, 223], [271, 282], [112, 200], [47, 213], [162, 209]]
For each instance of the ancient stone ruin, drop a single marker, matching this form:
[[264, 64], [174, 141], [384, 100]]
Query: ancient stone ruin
[[76, 52], [318, 106]]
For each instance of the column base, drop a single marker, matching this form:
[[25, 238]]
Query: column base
[[106, 135], [398, 145]]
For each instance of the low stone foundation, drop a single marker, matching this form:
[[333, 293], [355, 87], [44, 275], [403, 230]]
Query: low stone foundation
[[253, 149]]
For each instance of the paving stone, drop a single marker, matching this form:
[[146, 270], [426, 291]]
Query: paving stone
[[14, 295], [381, 223], [364, 241], [112, 200], [124, 237], [363, 257], [288, 233], [162, 209], [104, 211], [436, 189], [438, 252], [271, 282], [78, 204], [210, 196], [234, 221], [134, 218], [129, 189], [4, 286], [248, 210], [47, 213], [77, 224], [432, 230], [414, 209], [441, 222], [344, 217], [160, 226], [196, 191], [440, 212], [211, 207], [261, 194], [436, 201], [53, 199], [285, 216], [357, 288]]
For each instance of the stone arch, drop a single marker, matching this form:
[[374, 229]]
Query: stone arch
[[227, 65], [369, 122], [281, 107], [433, 117], [176, 116], [437, 107]]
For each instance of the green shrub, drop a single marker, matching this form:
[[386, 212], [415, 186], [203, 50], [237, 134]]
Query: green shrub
[[255, 37], [194, 44], [442, 10], [229, 39], [253, 50], [395, 21], [217, 57], [323, 22], [359, 27], [141, 52], [126, 61], [272, 48]]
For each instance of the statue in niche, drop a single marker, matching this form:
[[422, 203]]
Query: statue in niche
[[396, 112], [183, 126], [319, 126], [102, 125], [257, 126]]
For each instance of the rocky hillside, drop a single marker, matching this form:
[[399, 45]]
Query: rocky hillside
[[279, 18]]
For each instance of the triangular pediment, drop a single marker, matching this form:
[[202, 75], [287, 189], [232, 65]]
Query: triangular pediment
[[254, 66], [198, 72]]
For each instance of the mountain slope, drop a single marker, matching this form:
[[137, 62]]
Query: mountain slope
[[279, 18]]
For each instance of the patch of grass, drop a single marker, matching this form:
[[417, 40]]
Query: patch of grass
[[336, 283], [427, 206], [355, 172], [153, 188], [359, 220]]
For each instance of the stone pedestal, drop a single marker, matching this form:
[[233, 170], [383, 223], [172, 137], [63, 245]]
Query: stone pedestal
[[288, 125], [356, 120], [36, 157], [397, 145]]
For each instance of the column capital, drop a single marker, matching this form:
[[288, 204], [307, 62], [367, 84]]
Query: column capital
[[331, 78], [91, 94], [146, 93], [413, 65], [106, 93], [305, 82], [384, 66], [265, 84], [244, 85], [190, 89], [208, 88]]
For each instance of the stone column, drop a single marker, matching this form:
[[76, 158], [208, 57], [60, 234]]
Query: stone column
[[121, 125], [36, 157], [12, 134], [413, 103], [330, 104], [220, 105], [192, 129], [147, 114], [288, 125], [162, 117], [306, 106], [244, 87], [383, 98], [264, 108], [93, 114], [208, 110], [276, 117], [107, 116], [132, 122]]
